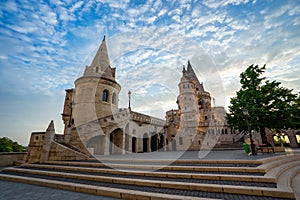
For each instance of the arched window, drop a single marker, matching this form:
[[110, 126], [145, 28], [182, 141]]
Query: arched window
[[114, 98], [97, 69], [105, 96]]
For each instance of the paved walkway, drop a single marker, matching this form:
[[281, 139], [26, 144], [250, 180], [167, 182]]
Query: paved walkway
[[194, 155], [16, 191]]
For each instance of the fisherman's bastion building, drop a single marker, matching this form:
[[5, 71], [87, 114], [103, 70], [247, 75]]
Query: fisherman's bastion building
[[95, 125]]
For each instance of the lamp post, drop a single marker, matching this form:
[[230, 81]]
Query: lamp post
[[129, 97], [252, 145]]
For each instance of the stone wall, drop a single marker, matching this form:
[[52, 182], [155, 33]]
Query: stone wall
[[35, 147], [61, 152], [8, 159]]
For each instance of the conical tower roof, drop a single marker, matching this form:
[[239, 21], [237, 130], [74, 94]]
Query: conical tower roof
[[100, 65], [101, 58], [191, 76]]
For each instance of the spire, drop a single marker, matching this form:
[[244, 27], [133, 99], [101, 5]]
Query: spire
[[51, 126], [191, 76], [101, 59]]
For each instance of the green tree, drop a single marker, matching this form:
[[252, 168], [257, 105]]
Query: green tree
[[7, 145], [269, 105]]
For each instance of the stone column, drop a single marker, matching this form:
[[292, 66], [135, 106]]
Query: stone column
[[292, 137], [123, 143], [106, 146]]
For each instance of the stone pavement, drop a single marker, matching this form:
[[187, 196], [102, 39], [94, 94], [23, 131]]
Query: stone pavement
[[195, 155], [16, 191]]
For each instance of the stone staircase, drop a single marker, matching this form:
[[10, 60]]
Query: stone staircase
[[157, 179]]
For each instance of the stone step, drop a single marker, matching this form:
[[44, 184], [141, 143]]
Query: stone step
[[181, 161], [171, 187], [157, 176], [229, 170], [212, 163], [153, 180], [98, 190], [213, 177]]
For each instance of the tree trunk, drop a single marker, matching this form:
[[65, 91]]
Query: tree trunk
[[263, 134]]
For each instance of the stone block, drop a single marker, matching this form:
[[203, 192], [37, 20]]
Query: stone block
[[135, 195], [88, 189], [175, 185], [147, 183], [70, 187], [268, 192], [178, 175], [241, 190], [206, 176], [156, 174], [109, 192], [206, 187]]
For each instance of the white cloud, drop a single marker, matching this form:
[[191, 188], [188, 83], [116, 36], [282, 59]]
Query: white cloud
[[76, 6]]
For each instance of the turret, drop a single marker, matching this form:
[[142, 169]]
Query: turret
[[96, 92]]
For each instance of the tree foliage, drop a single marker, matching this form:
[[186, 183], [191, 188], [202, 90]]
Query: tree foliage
[[268, 103], [7, 145]]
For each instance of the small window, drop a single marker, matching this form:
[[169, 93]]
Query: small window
[[97, 69], [114, 98], [226, 131], [105, 96], [36, 137], [183, 86], [205, 117]]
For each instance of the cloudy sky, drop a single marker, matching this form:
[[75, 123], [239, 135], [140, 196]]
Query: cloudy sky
[[46, 44]]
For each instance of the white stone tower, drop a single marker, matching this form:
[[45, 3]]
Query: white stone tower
[[97, 91], [188, 110]]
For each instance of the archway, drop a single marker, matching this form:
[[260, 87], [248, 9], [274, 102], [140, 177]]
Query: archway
[[145, 142], [97, 143], [281, 138], [133, 145], [173, 144], [154, 142], [116, 142], [127, 138], [161, 142], [297, 135]]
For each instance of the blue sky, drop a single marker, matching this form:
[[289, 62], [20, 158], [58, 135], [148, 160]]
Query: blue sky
[[46, 44]]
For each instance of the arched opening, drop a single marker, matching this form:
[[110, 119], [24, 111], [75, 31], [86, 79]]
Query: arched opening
[[114, 98], [173, 144], [154, 143], [133, 143], [97, 144], [297, 135], [161, 142], [105, 96], [281, 138], [145, 142], [116, 142], [127, 138]]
